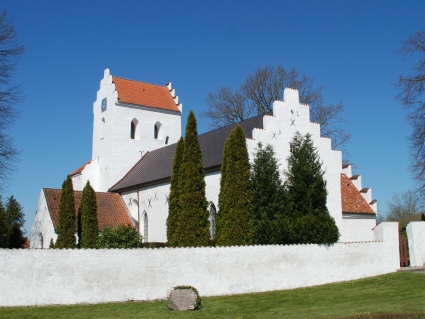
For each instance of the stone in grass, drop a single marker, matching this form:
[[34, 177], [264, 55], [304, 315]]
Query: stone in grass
[[184, 298]]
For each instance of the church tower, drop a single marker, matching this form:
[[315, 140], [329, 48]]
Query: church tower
[[130, 119]]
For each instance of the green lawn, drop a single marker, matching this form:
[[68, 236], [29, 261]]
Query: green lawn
[[398, 293]]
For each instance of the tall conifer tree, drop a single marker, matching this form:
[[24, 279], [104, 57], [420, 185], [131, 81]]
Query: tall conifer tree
[[14, 221], [192, 225], [67, 218], [309, 218], [235, 220], [89, 221], [268, 194], [174, 207]]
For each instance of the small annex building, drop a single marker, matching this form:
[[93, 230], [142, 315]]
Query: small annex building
[[111, 211], [136, 126]]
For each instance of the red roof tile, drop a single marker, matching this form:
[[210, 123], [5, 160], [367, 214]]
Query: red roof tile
[[79, 170], [145, 94], [352, 200], [111, 210]]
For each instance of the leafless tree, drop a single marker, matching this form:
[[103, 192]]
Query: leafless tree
[[10, 94], [412, 95], [404, 208], [261, 88]]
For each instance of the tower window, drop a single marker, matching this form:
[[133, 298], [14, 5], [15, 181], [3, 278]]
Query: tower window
[[134, 130], [166, 140], [157, 131]]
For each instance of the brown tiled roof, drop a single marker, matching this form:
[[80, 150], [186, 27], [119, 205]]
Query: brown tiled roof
[[111, 210], [352, 200], [145, 94], [79, 170], [156, 166]]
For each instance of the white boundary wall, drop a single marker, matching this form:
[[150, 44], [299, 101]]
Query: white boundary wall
[[42, 277], [416, 239]]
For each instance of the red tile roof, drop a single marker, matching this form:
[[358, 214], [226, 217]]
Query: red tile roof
[[145, 94], [111, 210], [352, 200], [79, 170]]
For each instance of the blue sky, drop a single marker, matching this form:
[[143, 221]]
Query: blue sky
[[349, 47]]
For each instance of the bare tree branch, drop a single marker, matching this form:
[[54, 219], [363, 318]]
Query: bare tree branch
[[10, 95], [266, 85], [412, 95]]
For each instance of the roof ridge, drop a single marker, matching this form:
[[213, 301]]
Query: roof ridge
[[77, 191]]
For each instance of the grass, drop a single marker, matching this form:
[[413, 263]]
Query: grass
[[398, 294]]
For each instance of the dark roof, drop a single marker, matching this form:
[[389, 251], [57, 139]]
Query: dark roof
[[156, 166], [111, 210]]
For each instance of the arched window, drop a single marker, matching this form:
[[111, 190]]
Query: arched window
[[145, 227], [157, 134], [212, 218], [134, 130]]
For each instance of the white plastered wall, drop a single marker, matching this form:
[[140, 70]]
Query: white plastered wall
[[110, 275], [152, 200], [42, 230], [357, 227], [416, 240]]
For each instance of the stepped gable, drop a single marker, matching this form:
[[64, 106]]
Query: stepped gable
[[352, 199], [156, 166], [145, 94], [111, 210]]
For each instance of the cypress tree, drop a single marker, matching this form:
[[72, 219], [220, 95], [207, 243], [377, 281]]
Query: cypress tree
[[14, 221], [67, 218], [235, 220], [268, 194], [174, 208], [89, 222], [192, 224], [309, 218], [222, 196]]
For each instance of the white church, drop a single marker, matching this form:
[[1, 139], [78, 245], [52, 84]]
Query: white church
[[136, 127]]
